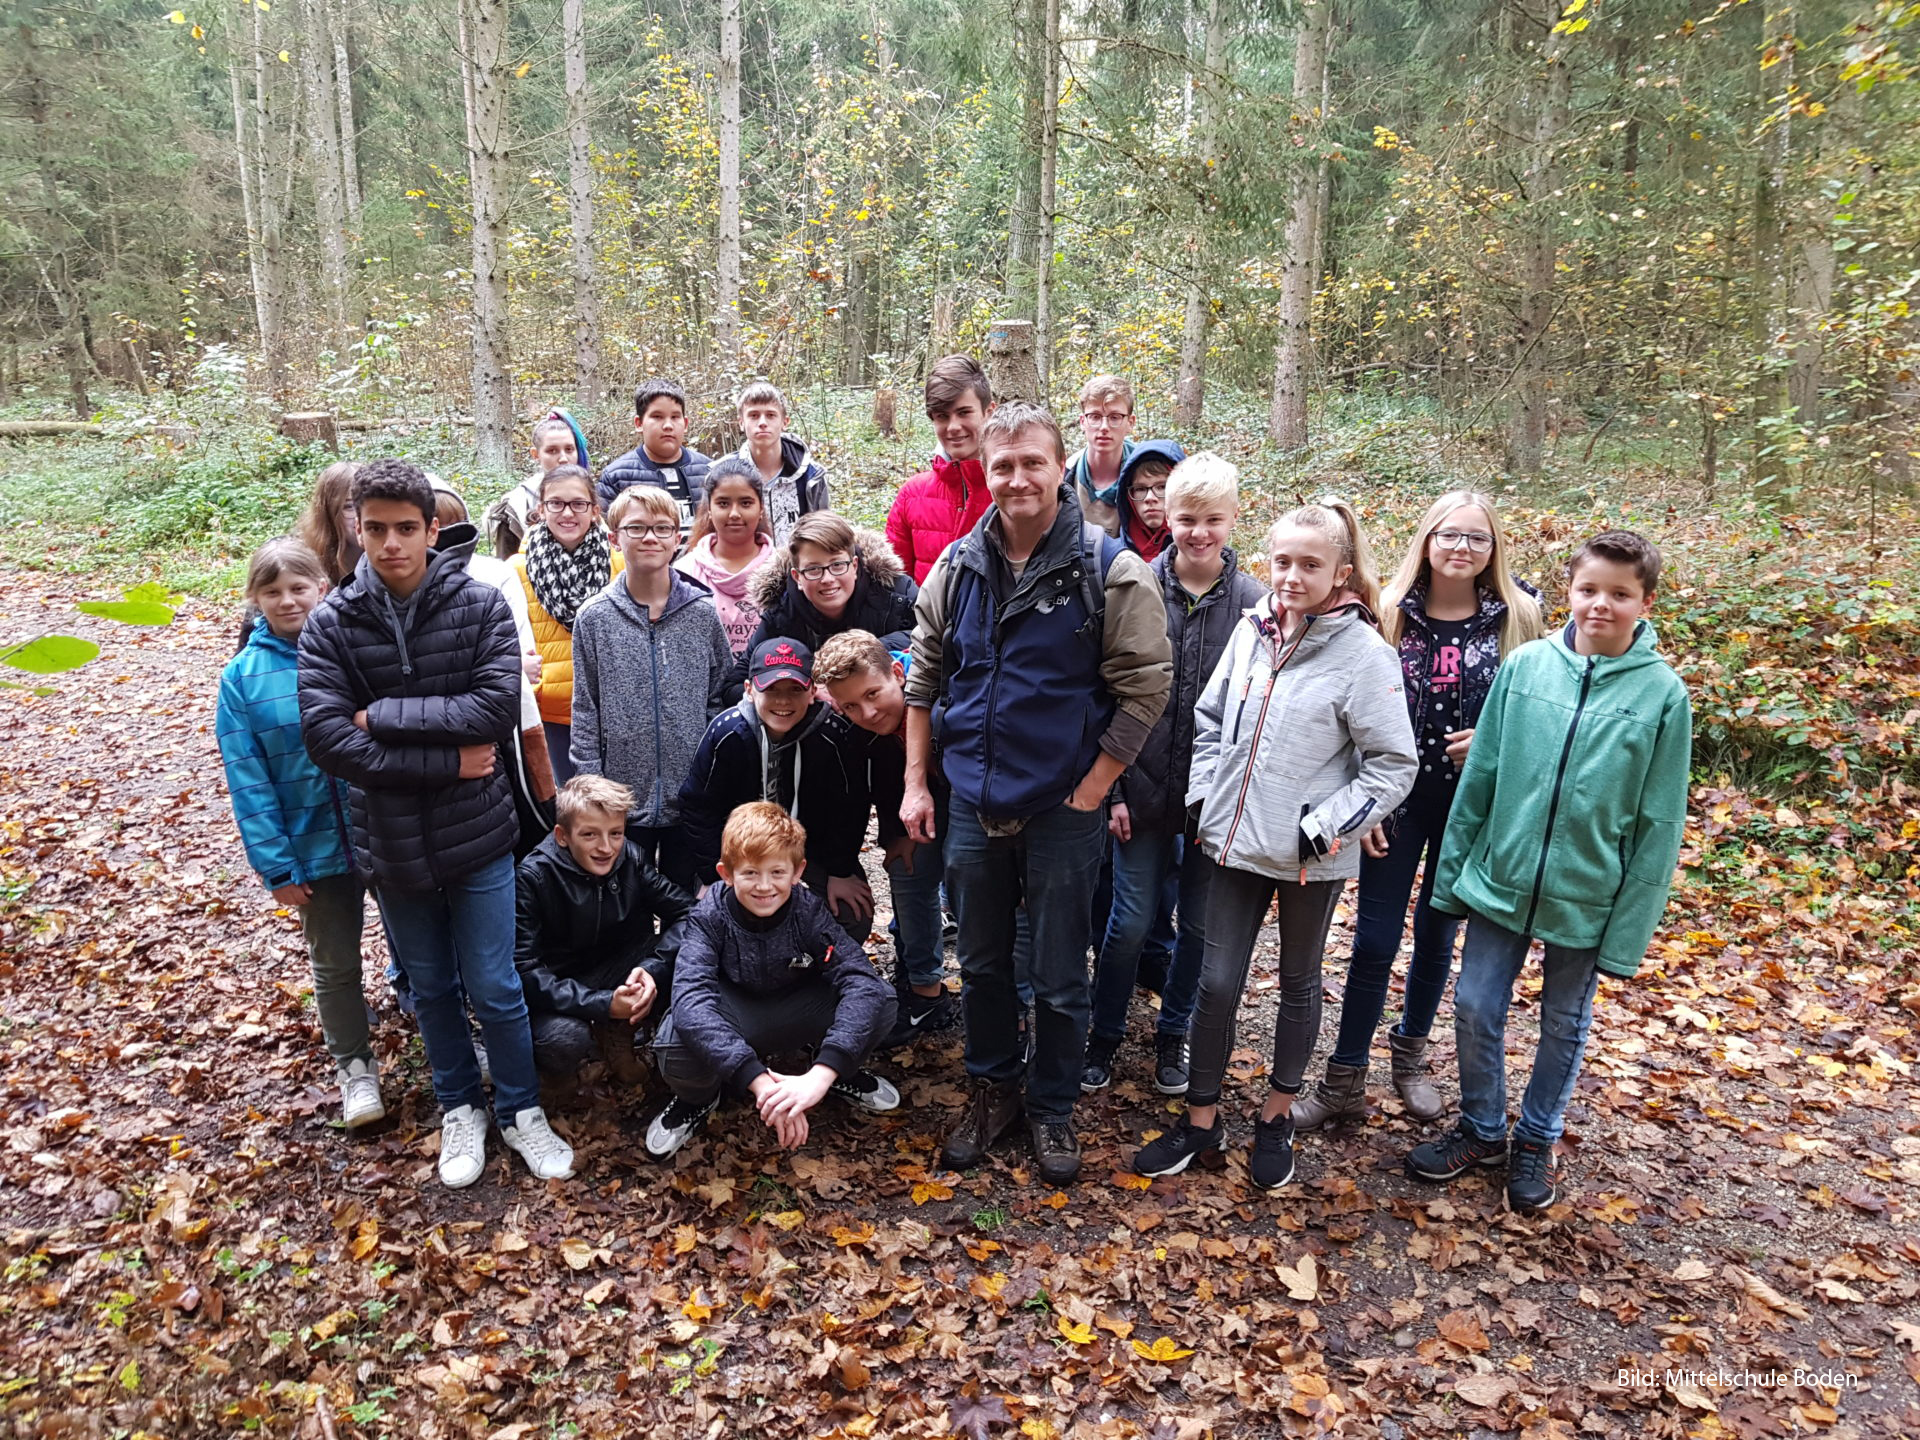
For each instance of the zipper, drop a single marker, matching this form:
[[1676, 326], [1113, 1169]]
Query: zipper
[[1553, 805], [1253, 747], [659, 748]]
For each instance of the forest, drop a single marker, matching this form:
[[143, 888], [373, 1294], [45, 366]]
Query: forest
[[1649, 263]]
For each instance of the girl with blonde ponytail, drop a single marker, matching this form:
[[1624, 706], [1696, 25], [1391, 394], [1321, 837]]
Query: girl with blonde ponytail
[[1453, 611]]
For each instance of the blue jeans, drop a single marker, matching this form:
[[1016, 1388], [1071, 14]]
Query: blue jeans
[[1051, 865], [1380, 918], [462, 937], [1141, 867], [917, 922], [1490, 963]]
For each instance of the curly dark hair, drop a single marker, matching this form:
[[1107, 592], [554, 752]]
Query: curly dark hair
[[392, 479]]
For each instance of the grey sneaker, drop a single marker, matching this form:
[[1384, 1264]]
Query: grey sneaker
[[360, 1102], [674, 1126], [547, 1155]]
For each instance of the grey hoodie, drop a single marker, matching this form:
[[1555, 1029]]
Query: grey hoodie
[[1316, 726], [644, 690]]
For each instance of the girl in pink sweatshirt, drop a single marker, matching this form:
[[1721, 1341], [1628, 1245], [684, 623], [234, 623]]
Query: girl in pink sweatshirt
[[732, 538]]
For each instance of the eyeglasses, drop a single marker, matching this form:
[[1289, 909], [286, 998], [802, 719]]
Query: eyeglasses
[[567, 507], [815, 572], [664, 530], [1478, 541], [1096, 418], [1158, 492]]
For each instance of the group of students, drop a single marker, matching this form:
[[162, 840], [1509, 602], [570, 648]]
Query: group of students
[[614, 790]]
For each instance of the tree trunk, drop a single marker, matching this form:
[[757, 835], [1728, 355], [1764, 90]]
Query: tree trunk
[[1190, 392], [1049, 161], [1546, 107], [587, 385], [1900, 430], [343, 84], [263, 261], [1771, 481], [483, 49], [1023, 221], [727, 300], [1288, 419], [53, 256], [323, 147]]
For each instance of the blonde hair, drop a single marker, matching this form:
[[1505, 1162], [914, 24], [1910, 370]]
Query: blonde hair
[[590, 792], [324, 526], [1102, 388], [1336, 519], [648, 499], [850, 653], [1203, 479], [284, 556], [760, 831], [1523, 620]]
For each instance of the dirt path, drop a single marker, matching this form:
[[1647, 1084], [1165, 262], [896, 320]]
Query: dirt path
[[191, 1247]]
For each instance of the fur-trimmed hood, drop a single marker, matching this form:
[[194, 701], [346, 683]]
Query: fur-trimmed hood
[[876, 558]]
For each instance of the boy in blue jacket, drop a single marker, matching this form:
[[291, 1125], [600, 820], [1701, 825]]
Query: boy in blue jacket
[[763, 971], [292, 817]]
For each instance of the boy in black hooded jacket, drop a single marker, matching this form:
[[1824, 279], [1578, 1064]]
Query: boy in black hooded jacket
[[596, 932]]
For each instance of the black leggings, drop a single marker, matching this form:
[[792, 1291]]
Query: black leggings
[[1237, 902]]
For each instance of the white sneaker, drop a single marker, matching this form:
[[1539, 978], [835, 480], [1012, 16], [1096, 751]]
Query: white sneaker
[[547, 1155], [360, 1101], [869, 1091], [675, 1125], [463, 1146]]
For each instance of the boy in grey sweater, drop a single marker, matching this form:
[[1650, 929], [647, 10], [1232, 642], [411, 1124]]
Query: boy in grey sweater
[[650, 663]]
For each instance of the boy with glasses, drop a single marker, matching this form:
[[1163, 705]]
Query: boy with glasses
[[650, 665], [1106, 421]]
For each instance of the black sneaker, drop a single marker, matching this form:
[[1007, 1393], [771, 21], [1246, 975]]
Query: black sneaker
[[949, 928], [920, 1015], [1170, 1064], [868, 1091], [1057, 1149], [1026, 1037], [1176, 1149], [1272, 1163], [1453, 1154], [675, 1125], [1097, 1071], [1533, 1174]]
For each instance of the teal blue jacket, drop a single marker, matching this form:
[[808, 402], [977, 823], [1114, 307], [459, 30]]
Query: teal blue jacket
[[292, 816], [1567, 823]]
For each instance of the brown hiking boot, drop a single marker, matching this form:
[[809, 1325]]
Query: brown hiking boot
[[992, 1111], [1342, 1095], [1417, 1092], [614, 1040]]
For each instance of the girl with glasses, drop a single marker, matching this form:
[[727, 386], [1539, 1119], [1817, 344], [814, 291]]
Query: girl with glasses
[[567, 561], [1453, 611], [836, 579]]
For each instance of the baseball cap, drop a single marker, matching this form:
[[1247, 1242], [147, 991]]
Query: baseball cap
[[780, 659]]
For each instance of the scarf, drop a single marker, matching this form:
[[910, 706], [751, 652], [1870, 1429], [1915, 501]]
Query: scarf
[[1148, 542], [562, 583]]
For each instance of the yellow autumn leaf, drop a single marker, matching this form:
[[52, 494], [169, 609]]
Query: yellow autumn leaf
[[787, 1219], [931, 1190], [366, 1239], [520, 71], [198, 33], [285, 58], [324, 1328], [697, 1309], [178, 17], [1162, 1350], [1034, 1428], [685, 1237], [577, 1253], [1133, 1182], [1078, 1334], [1056, 1201], [859, 1235]]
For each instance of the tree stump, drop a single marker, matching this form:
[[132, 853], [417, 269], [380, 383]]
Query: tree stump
[[311, 427], [884, 418], [1012, 370]]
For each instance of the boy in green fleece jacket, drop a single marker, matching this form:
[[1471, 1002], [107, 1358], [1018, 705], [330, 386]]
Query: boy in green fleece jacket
[[1566, 830]]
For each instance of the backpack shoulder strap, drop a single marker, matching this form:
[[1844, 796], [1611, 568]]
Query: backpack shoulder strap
[[1098, 552]]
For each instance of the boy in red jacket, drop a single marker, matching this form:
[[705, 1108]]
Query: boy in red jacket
[[940, 504]]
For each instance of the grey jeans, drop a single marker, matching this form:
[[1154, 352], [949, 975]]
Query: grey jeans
[[1237, 904], [331, 922]]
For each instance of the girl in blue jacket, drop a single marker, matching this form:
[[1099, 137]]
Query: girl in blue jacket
[[292, 817]]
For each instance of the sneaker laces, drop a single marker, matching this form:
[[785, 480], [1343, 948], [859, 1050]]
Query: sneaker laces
[[536, 1136], [860, 1082], [1531, 1162], [1057, 1135], [682, 1114], [458, 1131]]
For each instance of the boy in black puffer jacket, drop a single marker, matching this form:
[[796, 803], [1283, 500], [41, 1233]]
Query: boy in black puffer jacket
[[597, 932], [762, 971], [662, 457], [409, 687]]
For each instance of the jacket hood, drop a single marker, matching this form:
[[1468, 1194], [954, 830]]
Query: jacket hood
[[1643, 652], [880, 565], [451, 551], [956, 475], [684, 590], [1171, 451], [735, 585], [1345, 610], [262, 634], [794, 456]]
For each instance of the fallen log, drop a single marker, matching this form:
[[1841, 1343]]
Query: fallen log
[[32, 429]]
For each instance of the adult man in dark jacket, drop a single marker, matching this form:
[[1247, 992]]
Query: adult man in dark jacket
[[597, 932], [409, 684], [1046, 656]]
